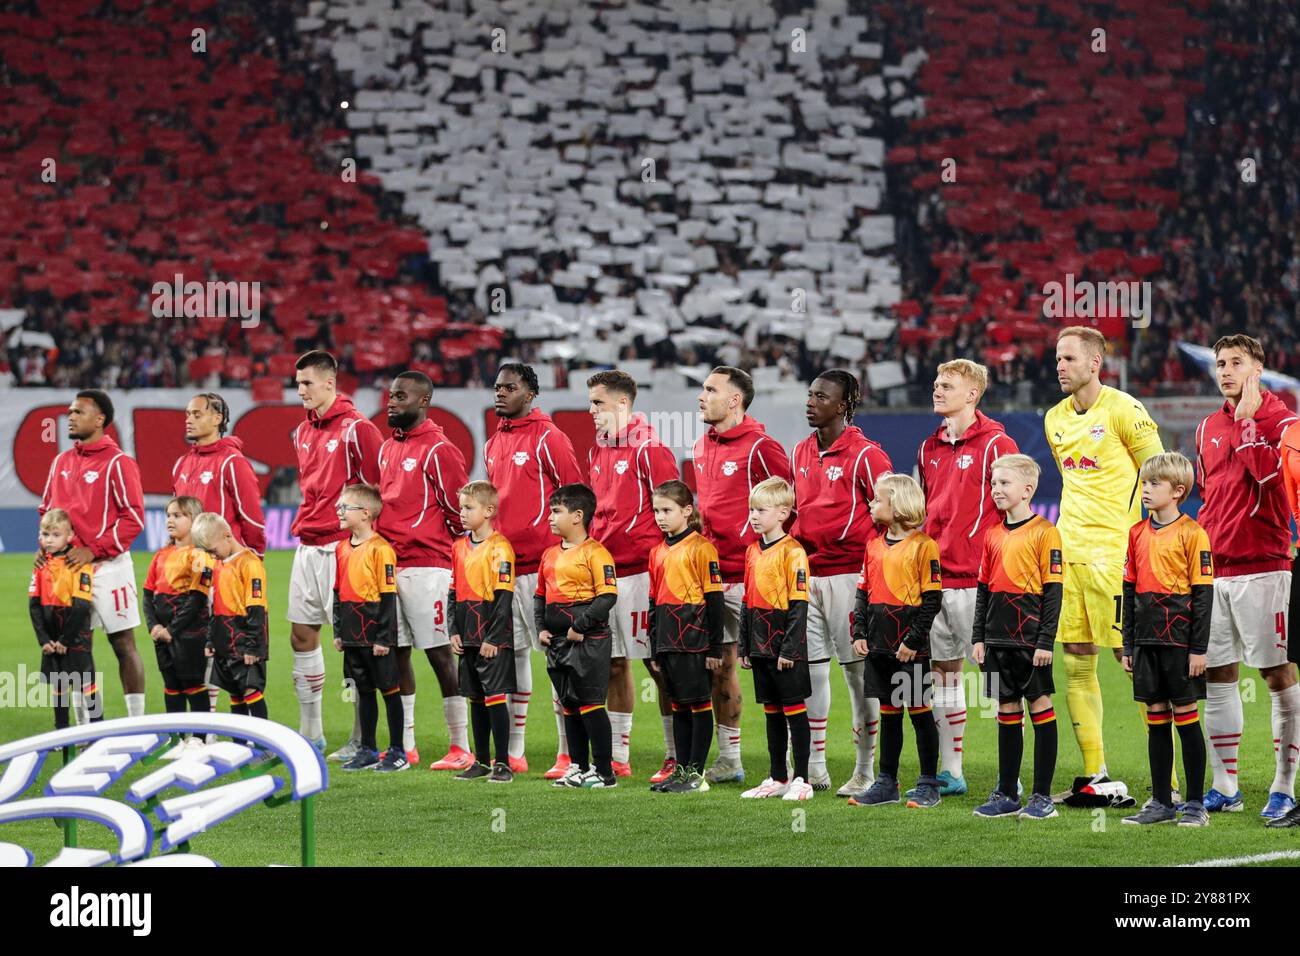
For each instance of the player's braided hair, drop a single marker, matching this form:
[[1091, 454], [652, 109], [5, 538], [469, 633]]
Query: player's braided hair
[[526, 373], [849, 388], [217, 404]]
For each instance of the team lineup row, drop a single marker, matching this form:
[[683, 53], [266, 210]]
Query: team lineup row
[[1099, 438]]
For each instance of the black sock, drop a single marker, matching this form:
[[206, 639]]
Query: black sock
[[238, 707], [93, 707], [891, 741], [1045, 745], [61, 717], [1011, 751], [801, 742], [682, 736], [701, 738], [1193, 743], [198, 702], [393, 711], [776, 741], [927, 743], [1160, 751], [482, 725], [499, 718], [368, 708], [173, 703], [576, 731], [600, 737], [257, 708]]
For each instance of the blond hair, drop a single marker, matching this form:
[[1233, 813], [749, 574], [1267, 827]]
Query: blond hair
[[1170, 466], [484, 492], [772, 493], [1092, 340], [1022, 466], [905, 497], [207, 528], [55, 518], [367, 496], [188, 505], [972, 372]]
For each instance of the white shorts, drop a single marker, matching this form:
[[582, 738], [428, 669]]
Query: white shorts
[[951, 632], [629, 622], [522, 610], [116, 603], [1249, 621], [422, 607], [830, 603], [311, 585], [733, 606]]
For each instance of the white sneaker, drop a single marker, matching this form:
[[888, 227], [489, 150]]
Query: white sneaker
[[346, 752], [725, 771], [194, 745], [858, 783], [819, 778], [768, 788], [572, 778], [800, 790]]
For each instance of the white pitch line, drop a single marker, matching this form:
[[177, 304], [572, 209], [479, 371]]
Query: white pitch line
[[1246, 860]]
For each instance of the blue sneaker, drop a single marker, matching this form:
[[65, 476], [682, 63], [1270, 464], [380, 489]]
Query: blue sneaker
[[950, 786], [1151, 814], [319, 743], [1192, 814], [925, 796], [1279, 805], [997, 805], [884, 790], [1040, 807], [365, 759], [1216, 802]]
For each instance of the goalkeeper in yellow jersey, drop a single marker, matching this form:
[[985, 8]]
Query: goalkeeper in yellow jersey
[[1099, 437]]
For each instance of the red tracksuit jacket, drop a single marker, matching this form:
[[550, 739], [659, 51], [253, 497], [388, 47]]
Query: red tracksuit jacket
[[1239, 467], [335, 450], [727, 466], [220, 476], [98, 485], [527, 459], [833, 492], [959, 506], [420, 476], [625, 470]]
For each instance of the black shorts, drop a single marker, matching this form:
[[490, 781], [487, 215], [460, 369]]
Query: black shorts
[[896, 684], [487, 676], [686, 678], [1293, 617], [579, 671], [369, 672], [181, 662], [235, 677], [1160, 675], [73, 671], [777, 687], [1010, 675]]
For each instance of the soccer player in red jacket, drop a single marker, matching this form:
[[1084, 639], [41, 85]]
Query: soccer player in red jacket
[[527, 458], [1245, 513], [420, 476], [835, 472], [955, 467], [627, 463], [98, 485], [733, 456], [216, 472], [337, 446]]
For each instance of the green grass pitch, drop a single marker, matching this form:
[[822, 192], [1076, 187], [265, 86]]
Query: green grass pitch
[[421, 818]]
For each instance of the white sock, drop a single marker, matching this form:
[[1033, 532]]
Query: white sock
[[519, 700], [355, 736], [77, 710], [1223, 724], [309, 685], [950, 716], [620, 729], [819, 709], [866, 720], [408, 722], [728, 743], [457, 715], [134, 705], [670, 738], [213, 694], [562, 747], [1286, 723]]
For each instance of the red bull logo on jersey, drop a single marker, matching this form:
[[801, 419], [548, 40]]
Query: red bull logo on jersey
[[1084, 463]]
